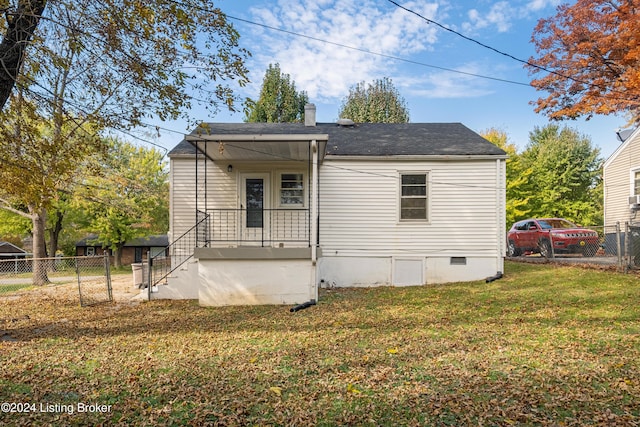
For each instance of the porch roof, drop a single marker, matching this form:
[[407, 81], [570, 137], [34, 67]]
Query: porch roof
[[254, 141]]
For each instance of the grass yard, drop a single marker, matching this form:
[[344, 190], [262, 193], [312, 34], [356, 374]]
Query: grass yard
[[543, 346]]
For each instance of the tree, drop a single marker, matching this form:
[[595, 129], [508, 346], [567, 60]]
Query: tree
[[279, 102], [13, 227], [117, 62], [589, 57], [379, 102], [565, 175], [129, 198], [99, 64], [38, 165], [21, 21], [518, 191]]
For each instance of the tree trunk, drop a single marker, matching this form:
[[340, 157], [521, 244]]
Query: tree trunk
[[39, 219], [21, 24], [117, 259], [54, 233]]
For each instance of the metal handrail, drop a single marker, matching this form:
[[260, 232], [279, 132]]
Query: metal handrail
[[161, 265]]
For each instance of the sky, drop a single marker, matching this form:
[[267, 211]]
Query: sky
[[328, 46]]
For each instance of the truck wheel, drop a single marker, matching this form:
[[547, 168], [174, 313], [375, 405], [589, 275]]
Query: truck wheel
[[512, 251], [545, 249]]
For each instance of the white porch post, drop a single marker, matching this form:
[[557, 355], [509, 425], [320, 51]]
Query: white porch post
[[314, 201]]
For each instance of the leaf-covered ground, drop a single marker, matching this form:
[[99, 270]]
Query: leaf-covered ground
[[543, 346]]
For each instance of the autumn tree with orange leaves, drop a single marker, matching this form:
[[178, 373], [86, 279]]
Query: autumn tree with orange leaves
[[588, 60]]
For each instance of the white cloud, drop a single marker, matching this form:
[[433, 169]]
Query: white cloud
[[537, 5], [502, 15], [326, 71], [446, 84], [498, 17]]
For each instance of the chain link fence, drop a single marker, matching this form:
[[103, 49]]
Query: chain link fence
[[613, 245], [91, 274]]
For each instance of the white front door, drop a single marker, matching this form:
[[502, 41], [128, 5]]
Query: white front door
[[254, 208]]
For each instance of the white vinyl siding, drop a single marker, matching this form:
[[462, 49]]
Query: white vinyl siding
[[220, 186], [619, 175], [222, 192], [359, 209]]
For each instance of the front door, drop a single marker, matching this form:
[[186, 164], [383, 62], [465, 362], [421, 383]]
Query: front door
[[254, 209]]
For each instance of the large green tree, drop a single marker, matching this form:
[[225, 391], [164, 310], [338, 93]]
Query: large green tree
[[128, 198], [565, 179], [279, 101], [518, 190], [377, 102], [98, 64], [38, 164]]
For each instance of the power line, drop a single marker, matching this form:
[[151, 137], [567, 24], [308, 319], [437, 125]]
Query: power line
[[383, 55], [508, 55]]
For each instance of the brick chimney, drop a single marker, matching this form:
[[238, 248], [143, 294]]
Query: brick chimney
[[310, 115]]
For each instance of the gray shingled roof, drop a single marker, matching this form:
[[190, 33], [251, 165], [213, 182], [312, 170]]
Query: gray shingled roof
[[157, 240], [369, 139]]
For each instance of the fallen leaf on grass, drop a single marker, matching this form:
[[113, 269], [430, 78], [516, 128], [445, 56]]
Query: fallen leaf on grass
[[276, 390], [352, 389], [393, 350]]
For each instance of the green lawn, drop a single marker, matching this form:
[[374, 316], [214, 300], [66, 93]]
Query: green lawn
[[543, 346]]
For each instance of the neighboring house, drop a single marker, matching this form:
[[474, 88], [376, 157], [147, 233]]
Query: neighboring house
[[12, 259], [134, 251], [621, 181], [621, 176], [284, 209], [11, 251]]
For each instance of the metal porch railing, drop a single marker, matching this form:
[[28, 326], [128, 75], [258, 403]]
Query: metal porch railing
[[260, 227], [158, 267]]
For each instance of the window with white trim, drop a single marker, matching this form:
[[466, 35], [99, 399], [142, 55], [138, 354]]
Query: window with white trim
[[291, 189], [413, 196], [636, 183]]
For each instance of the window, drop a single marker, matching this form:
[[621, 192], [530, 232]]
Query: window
[[91, 251], [292, 189], [636, 183], [413, 196]]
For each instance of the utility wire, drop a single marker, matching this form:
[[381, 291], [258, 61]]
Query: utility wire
[[383, 55], [508, 55]]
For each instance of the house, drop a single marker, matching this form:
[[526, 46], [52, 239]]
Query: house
[[272, 211], [621, 179], [11, 251], [133, 251], [13, 258], [621, 176]]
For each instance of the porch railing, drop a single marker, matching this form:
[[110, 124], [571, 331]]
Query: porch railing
[[260, 227], [158, 267]]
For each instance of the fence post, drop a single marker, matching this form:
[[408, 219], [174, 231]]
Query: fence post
[[627, 253], [619, 245], [149, 274], [107, 274], [79, 281]]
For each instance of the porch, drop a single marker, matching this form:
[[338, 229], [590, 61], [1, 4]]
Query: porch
[[256, 209]]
